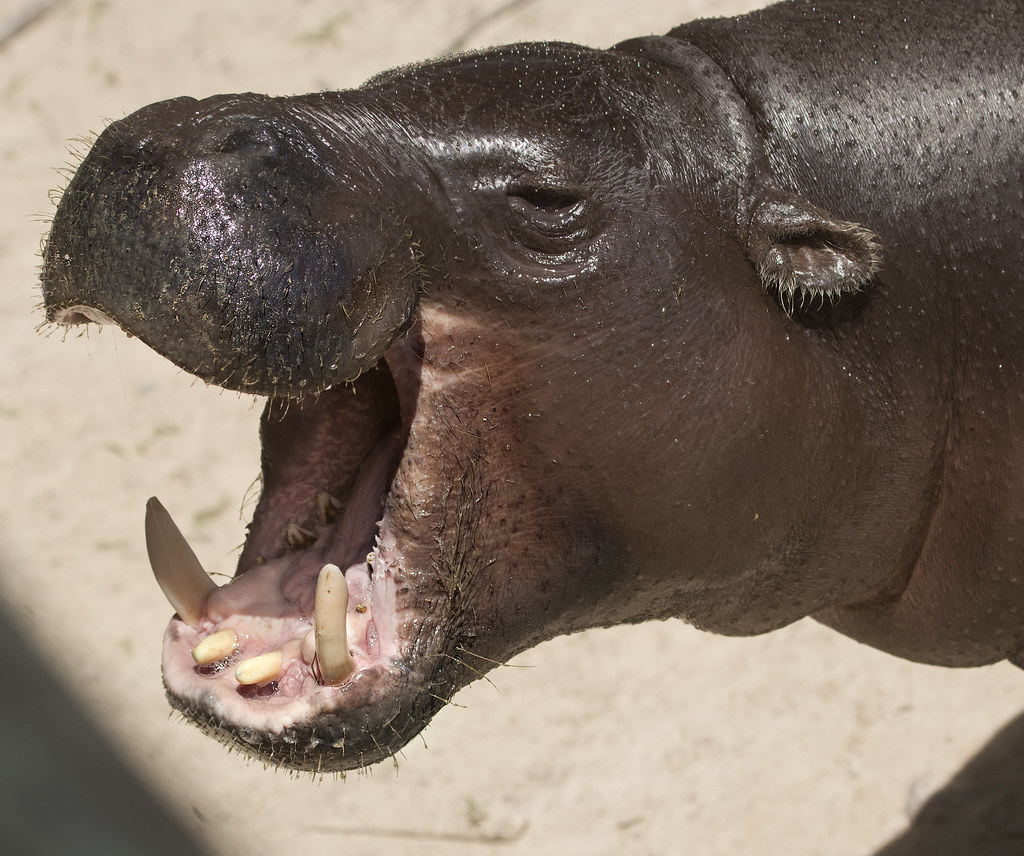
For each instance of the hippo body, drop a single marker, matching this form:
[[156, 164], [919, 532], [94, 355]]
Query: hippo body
[[724, 325]]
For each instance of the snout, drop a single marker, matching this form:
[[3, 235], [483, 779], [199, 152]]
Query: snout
[[216, 232]]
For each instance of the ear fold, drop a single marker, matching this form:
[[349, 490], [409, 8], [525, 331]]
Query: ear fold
[[805, 256]]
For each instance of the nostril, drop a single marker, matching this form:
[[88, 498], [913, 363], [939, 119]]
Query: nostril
[[81, 315], [260, 140]]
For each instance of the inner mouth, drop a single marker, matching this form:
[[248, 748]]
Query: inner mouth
[[313, 616]]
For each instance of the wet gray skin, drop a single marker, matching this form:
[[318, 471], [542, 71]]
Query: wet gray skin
[[564, 338]]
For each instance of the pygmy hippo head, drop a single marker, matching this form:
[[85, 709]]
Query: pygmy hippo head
[[514, 314]]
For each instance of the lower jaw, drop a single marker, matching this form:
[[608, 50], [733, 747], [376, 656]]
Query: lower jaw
[[265, 619], [296, 722], [289, 714], [278, 620]]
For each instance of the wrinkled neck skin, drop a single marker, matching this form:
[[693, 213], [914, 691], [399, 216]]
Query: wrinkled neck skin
[[915, 144]]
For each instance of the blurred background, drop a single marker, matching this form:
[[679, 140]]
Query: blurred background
[[654, 739]]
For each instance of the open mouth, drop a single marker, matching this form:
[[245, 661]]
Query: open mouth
[[315, 637]]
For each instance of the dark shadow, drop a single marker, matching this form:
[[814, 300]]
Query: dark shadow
[[63, 788], [980, 812]]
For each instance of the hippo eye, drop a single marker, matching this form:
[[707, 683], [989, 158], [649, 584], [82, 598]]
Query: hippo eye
[[546, 199], [547, 220]]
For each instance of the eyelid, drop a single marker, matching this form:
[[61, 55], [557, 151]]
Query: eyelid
[[548, 199], [555, 224]]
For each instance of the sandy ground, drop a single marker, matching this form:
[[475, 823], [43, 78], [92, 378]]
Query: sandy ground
[[648, 740]]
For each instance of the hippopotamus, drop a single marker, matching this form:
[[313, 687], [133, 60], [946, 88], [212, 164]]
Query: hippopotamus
[[724, 325]]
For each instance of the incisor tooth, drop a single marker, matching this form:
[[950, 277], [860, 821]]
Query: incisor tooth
[[215, 647], [330, 604], [261, 669], [184, 582]]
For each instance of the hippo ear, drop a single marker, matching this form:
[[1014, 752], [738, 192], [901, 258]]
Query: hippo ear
[[805, 256]]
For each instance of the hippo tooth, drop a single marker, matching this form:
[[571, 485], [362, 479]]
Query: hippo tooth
[[177, 570], [215, 647], [261, 669], [298, 537], [330, 605], [328, 507]]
